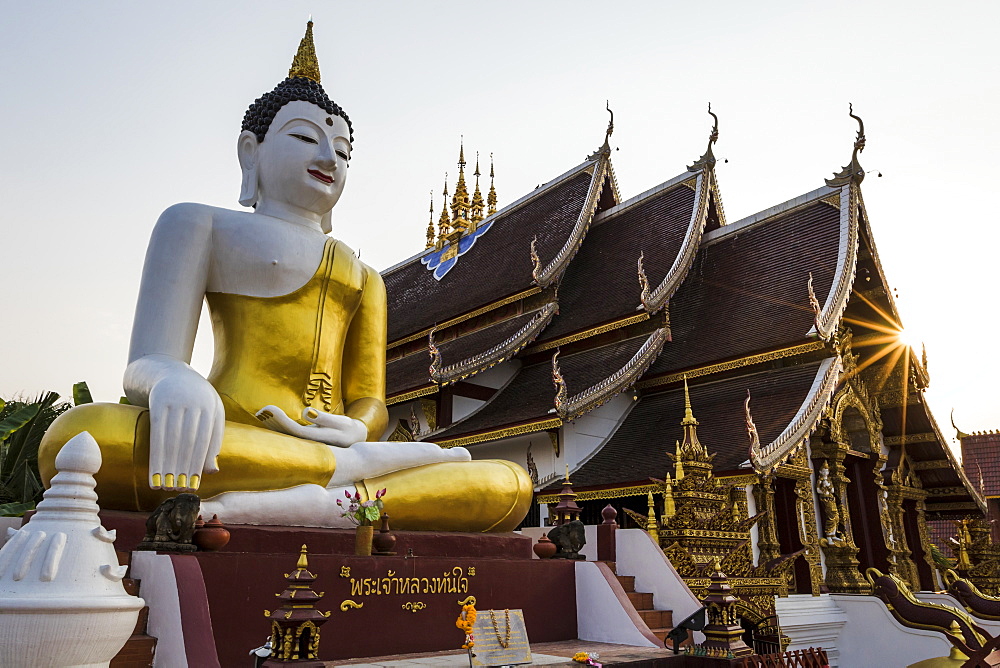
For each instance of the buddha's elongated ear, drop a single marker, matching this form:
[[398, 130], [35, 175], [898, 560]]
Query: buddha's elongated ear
[[326, 222], [246, 150]]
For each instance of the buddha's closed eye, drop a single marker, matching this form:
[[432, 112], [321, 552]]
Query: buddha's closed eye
[[307, 139]]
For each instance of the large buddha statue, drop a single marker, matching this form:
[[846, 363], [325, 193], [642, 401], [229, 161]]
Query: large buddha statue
[[285, 422]]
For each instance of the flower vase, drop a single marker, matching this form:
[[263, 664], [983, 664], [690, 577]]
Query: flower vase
[[363, 540]]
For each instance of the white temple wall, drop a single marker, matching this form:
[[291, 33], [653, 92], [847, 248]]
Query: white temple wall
[[871, 637]]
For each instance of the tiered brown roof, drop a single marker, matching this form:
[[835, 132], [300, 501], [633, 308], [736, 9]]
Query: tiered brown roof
[[748, 289], [530, 396], [638, 449], [606, 265]]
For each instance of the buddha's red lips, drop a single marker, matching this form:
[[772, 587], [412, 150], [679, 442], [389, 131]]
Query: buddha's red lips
[[320, 176]]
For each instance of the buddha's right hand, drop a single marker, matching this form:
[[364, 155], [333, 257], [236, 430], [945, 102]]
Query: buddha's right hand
[[186, 426]]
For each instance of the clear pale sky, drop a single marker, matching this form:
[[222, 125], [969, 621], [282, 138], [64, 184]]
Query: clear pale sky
[[113, 111]]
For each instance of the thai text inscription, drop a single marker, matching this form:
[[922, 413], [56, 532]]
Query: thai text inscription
[[455, 581]]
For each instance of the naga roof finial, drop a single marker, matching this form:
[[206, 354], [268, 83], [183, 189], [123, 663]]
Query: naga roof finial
[[605, 148], [708, 159], [852, 173], [305, 63], [611, 123]]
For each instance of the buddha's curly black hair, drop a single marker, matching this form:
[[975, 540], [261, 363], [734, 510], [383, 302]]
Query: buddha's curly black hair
[[260, 114]]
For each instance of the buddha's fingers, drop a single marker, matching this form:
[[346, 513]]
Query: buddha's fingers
[[174, 439], [191, 461], [157, 437], [211, 463], [275, 419]]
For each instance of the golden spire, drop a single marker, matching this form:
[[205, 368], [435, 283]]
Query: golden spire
[[430, 224], [688, 415], [477, 199], [444, 223], [305, 63], [491, 199], [691, 449], [303, 563], [460, 200]]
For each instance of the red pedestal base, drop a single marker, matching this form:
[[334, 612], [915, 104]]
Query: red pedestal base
[[379, 605]]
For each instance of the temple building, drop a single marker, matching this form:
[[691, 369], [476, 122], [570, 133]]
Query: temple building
[[746, 375]]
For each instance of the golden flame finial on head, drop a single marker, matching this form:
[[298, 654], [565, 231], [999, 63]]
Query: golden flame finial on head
[[305, 63]]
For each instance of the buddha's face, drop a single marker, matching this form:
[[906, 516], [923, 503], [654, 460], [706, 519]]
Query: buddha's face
[[303, 159]]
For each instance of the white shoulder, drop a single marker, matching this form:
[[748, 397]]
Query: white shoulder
[[189, 219]]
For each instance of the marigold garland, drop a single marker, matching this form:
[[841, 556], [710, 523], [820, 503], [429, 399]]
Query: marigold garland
[[466, 620]]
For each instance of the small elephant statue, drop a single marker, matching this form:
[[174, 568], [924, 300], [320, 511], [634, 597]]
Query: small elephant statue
[[569, 539], [170, 527]]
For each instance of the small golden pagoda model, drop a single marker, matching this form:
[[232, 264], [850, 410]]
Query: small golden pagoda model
[[295, 625], [566, 510]]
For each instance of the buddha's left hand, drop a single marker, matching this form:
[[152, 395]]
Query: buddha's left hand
[[328, 428]]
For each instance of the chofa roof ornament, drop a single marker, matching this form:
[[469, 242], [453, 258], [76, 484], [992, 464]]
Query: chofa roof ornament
[[708, 159], [852, 173], [605, 148]]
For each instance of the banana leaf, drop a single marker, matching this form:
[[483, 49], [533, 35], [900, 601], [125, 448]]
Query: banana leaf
[[19, 478], [19, 417], [81, 393], [15, 509]]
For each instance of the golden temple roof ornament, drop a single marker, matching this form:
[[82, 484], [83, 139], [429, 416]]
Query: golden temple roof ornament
[[430, 224], [491, 198], [852, 173], [691, 450], [444, 223], [460, 204], [478, 205], [708, 158], [305, 63]]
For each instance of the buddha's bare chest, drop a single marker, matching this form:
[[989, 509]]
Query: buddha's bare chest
[[263, 261]]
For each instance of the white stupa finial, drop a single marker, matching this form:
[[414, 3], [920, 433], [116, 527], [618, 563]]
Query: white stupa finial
[[62, 566]]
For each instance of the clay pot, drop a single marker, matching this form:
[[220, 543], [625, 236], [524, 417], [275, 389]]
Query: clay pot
[[211, 536], [363, 540], [544, 548], [383, 541]]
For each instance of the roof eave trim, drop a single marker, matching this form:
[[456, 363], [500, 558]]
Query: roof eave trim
[[599, 394], [806, 419], [826, 322], [501, 352], [956, 467], [555, 268], [658, 298]]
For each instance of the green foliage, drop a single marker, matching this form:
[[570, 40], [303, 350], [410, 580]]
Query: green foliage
[[941, 561], [81, 394], [22, 424]]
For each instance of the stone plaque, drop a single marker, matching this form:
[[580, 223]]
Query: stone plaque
[[489, 649]]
